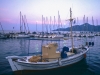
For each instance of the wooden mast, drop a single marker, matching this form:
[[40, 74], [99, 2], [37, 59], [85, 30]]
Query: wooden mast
[[71, 20]]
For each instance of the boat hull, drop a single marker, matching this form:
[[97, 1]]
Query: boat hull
[[15, 65], [72, 69]]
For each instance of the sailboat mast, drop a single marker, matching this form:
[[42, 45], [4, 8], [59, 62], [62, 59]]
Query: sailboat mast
[[42, 25], [93, 23], [71, 20], [20, 22], [2, 28], [87, 26], [58, 22], [47, 24], [54, 23], [24, 24], [84, 24], [36, 26], [50, 24]]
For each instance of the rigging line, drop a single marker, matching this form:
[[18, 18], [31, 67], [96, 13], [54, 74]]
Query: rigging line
[[26, 23]]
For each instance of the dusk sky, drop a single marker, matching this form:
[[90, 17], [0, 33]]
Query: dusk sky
[[34, 9]]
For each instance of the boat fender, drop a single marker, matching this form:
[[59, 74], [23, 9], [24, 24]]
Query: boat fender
[[89, 43], [86, 43], [92, 43]]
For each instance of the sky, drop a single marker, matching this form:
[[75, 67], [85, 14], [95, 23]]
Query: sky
[[34, 9]]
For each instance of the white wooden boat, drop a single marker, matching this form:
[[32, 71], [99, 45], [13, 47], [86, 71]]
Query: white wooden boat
[[50, 59]]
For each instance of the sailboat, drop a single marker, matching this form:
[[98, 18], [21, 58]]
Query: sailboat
[[22, 33], [50, 57]]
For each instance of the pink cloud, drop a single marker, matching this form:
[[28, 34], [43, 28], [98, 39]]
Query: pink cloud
[[34, 22], [8, 20], [3, 9]]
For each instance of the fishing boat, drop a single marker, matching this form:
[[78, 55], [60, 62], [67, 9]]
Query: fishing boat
[[50, 58]]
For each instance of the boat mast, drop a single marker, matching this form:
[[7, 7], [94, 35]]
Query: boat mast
[[36, 26], [42, 25], [93, 24], [50, 24], [71, 20], [20, 22], [87, 23], [47, 24], [24, 24], [54, 23], [2, 28], [58, 22]]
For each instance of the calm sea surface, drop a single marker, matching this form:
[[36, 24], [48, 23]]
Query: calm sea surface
[[88, 66]]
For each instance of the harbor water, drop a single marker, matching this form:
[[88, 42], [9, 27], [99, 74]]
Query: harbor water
[[23, 47]]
